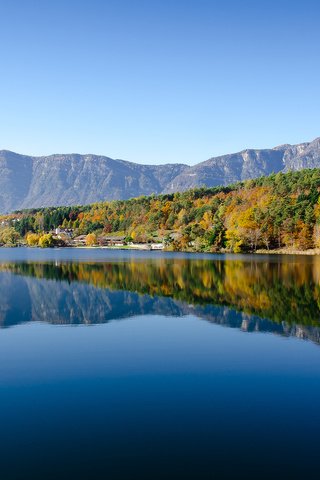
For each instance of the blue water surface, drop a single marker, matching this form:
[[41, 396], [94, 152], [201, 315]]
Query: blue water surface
[[107, 375]]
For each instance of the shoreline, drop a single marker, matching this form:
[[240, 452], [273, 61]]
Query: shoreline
[[142, 248], [290, 251]]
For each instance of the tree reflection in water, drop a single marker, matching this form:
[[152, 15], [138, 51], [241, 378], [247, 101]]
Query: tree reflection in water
[[281, 296]]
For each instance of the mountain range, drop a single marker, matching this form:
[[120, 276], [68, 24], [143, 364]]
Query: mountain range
[[73, 179]]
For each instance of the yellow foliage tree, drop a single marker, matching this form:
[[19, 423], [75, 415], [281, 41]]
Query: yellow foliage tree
[[9, 236], [234, 242], [46, 241], [91, 239], [32, 239]]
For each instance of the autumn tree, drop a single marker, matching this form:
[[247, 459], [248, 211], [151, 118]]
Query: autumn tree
[[91, 240]]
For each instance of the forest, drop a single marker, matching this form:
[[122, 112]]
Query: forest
[[281, 211]]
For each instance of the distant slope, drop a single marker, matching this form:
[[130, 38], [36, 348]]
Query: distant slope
[[247, 164], [29, 182]]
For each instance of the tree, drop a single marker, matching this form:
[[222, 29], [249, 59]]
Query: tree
[[316, 235], [233, 241], [91, 240], [32, 239], [46, 241], [24, 225], [9, 236], [303, 236]]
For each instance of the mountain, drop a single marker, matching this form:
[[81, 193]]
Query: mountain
[[248, 164], [29, 182]]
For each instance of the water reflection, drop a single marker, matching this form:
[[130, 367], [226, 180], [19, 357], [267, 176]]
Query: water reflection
[[279, 296]]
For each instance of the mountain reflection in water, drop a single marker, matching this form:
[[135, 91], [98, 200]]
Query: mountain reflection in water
[[279, 296]]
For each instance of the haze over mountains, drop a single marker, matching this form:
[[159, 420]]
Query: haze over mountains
[[30, 182]]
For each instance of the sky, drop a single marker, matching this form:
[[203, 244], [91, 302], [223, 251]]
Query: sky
[[158, 81]]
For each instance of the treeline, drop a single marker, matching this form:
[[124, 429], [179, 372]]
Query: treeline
[[278, 211]]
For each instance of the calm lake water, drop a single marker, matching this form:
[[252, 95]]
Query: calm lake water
[[141, 365]]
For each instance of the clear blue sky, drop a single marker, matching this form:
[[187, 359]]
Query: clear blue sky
[[158, 81]]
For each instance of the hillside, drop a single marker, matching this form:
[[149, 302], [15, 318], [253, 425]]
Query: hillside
[[248, 164], [31, 182], [278, 211]]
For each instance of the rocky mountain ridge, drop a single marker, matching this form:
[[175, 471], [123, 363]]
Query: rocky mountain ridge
[[248, 164], [30, 182]]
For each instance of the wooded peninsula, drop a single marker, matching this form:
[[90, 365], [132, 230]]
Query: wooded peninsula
[[281, 211]]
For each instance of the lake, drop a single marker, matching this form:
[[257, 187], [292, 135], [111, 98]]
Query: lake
[[154, 365]]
